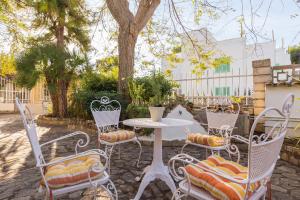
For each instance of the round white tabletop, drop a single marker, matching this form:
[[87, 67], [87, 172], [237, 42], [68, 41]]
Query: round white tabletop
[[157, 169], [164, 123]]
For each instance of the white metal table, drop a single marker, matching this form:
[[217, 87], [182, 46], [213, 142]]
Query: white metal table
[[157, 169]]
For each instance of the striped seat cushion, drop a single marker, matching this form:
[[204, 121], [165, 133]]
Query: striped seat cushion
[[117, 136], [72, 172], [218, 187], [208, 140]]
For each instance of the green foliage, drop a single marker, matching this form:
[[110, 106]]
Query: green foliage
[[294, 51], [150, 89], [236, 99], [108, 63], [207, 59], [80, 103], [93, 85], [72, 15], [7, 65], [159, 97], [137, 111], [92, 81], [136, 91], [46, 61], [105, 78], [11, 25]]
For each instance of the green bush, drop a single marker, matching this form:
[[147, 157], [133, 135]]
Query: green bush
[[92, 81], [93, 85], [139, 111], [79, 106], [143, 89]]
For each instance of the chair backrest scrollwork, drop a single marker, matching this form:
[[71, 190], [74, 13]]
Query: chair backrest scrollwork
[[31, 132], [106, 113], [225, 115]]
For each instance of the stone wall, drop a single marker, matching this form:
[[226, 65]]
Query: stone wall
[[290, 154], [262, 74]]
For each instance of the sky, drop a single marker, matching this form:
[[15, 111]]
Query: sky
[[279, 16], [268, 17]]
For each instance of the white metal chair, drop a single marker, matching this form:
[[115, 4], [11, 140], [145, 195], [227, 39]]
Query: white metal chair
[[106, 114], [263, 153], [92, 173], [220, 125]]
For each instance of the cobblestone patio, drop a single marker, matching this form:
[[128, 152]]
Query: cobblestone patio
[[19, 179]]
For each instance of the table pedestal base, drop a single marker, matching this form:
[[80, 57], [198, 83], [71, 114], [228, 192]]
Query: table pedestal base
[[157, 170]]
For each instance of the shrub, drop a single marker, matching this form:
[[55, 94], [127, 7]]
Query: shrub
[[91, 86], [143, 89], [92, 81], [139, 111], [81, 100]]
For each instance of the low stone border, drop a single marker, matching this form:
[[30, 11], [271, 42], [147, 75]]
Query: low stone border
[[290, 154]]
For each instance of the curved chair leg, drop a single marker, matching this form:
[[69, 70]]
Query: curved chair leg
[[178, 195], [110, 188], [146, 169], [48, 196], [184, 147], [119, 151], [138, 161], [109, 150]]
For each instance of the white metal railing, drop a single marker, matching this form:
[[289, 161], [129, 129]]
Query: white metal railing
[[205, 101], [9, 91], [44, 94]]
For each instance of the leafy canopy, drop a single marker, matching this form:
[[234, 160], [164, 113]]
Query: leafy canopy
[[72, 15], [295, 54], [7, 65], [151, 89], [45, 61]]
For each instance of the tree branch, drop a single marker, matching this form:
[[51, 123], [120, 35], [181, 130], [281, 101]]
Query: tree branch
[[120, 11], [144, 13]]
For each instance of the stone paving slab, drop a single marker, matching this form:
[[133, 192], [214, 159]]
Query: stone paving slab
[[19, 179]]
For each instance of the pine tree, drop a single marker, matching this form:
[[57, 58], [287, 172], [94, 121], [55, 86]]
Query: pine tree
[[63, 22]]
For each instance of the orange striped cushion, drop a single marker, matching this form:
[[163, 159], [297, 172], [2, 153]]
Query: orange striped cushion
[[208, 140], [219, 187], [117, 136], [72, 172]]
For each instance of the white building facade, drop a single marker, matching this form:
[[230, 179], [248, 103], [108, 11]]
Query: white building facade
[[234, 79]]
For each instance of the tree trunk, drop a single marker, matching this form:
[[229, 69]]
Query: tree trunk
[[61, 83], [126, 47], [54, 101], [53, 95], [62, 98]]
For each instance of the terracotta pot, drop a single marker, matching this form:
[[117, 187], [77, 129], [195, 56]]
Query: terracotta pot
[[156, 113]]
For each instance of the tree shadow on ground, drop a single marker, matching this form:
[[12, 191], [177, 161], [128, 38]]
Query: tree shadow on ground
[[10, 123], [20, 179]]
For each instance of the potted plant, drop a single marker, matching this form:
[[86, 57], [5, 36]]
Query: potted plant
[[156, 107], [156, 102]]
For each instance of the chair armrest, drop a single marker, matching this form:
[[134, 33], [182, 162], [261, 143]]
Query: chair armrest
[[80, 143], [240, 138], [203, 124], [185, 159]]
